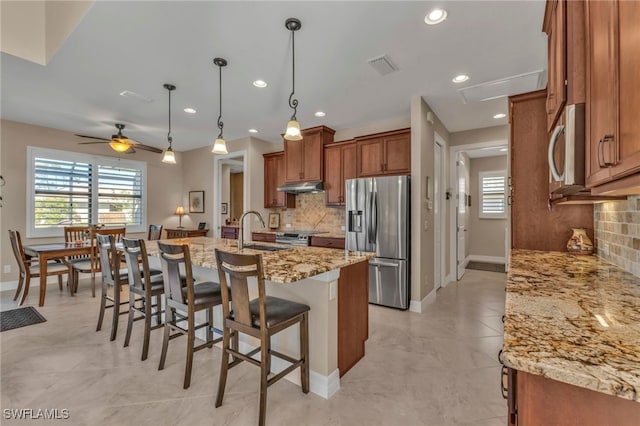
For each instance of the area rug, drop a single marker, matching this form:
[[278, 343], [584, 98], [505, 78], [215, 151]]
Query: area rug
[[21, 317]]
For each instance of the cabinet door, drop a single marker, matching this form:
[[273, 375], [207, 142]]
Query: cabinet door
[[602, 88], [629, 90], [370, 157], [312, 156], [557, 48], [294, 157], [348, 166], [397, 150], [333, 175], [270, 174]]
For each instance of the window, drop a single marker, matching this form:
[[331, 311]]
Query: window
[[67, 188], [492, 195]]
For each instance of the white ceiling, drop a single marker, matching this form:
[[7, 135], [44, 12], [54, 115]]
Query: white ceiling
[[139, 46]]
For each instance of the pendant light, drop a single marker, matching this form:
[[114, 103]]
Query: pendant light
[[293, 127], [220, 146], [169, 156]]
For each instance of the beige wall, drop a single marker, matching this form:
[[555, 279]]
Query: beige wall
[[617, 224], [486, 236], [486, 134], [164, 181], [373, 127]]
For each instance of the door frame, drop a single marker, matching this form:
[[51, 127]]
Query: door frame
[[217, 181], [451, 189], [438, 211]]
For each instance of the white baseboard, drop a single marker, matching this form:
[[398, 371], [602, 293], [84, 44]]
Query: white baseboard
[[448, 279], [35, 282], [419, 306], [488, 259]]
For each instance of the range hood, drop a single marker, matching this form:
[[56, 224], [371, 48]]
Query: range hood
[[301, 187]]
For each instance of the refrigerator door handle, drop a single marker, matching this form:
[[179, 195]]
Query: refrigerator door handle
[[378, 264], [370, 237], [374, 218]]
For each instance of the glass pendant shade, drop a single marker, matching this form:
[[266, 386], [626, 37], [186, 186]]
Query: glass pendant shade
[[169, 157], [220, 147], [119, 146], [293, 131]]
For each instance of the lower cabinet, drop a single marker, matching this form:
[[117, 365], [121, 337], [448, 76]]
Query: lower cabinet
[[229, 232], [541, 401], [353, 314], [185, 233], [326, 242], [263, 236]]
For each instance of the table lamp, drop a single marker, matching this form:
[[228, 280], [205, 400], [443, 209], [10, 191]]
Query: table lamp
[[180, 213]]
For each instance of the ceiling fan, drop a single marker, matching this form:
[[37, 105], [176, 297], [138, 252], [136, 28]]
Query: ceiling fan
[[120, 143]]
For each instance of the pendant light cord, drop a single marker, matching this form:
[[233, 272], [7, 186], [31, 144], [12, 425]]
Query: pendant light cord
[[169, 138], [220, 123], [293, 103]]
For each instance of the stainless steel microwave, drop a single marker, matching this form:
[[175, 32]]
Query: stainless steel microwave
[[566, 152]]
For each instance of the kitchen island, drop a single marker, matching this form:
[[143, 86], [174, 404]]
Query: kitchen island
[[334, 283], [571, 340]]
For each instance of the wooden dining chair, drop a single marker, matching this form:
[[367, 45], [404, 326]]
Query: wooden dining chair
[[146, 284], [113, 275], [155, 232], [260, 318], [30, 268], [85, 263], [183, 299]]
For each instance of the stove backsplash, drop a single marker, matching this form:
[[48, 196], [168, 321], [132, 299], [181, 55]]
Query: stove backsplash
[[617, 223], [310, 213]]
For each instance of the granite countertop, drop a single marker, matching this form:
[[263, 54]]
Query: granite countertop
[[284, 266], [574, 319]]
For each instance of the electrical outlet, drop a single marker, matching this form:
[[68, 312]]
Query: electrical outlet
[[6, 269], [288, 225], [342, 228], [605, 249]]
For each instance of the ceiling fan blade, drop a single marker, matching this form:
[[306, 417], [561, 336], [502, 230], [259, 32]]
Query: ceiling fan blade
[[130, 150], [148, 148], [93, 137], [89, 143]]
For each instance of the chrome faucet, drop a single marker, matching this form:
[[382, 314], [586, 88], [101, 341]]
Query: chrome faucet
[[240, 245]]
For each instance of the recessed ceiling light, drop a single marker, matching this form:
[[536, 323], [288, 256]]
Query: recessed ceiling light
[[461, 78], [319, 114], [503, 149], [253, 130], [190, 110], [260, 83], [500, 115], [435, 16]]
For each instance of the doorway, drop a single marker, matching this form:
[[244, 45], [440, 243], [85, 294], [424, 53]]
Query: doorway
[[230, 183], [438, 215], [463, 200]]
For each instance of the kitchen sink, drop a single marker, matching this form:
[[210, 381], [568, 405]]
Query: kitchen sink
[[264, 248]]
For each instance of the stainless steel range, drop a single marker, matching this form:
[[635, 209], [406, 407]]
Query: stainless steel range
[[296, 238]]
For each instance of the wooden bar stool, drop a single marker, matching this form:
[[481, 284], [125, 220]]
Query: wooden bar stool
[[113, 275], [146, 283], [182, 295], [260, 318]]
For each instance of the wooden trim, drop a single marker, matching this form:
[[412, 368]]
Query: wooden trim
[[548, 12], [629, 185], [383, 134], [528, 96], [272, 154], [340, 143]]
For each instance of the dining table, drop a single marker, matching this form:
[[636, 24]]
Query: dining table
[[54, 251]]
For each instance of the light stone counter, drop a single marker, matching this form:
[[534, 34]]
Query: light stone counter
[[574, 319]]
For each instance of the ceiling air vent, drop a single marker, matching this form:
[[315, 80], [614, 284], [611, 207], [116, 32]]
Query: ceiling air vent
[[507, 86], [382, 64], [134, 95]]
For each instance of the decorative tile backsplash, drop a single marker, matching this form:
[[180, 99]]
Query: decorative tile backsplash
[[617, 223], [311, 213]]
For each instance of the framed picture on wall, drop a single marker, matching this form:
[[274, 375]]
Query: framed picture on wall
[[224, 208], [196, 201], [274, 220]]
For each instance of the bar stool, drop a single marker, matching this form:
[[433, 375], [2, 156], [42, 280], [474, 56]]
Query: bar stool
[[145, 283], [112, 276], [181, 294], [260, 318]]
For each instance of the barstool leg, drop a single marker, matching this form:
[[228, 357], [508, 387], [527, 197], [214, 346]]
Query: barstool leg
[[132, 302], [264, 372], [147, 328], [304, 352], [191, 339], [60, 282], [116, 312], [20, 282], [224, 364], [103, 303], [165, 339]]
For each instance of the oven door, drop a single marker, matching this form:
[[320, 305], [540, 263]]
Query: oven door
[[566, 152]]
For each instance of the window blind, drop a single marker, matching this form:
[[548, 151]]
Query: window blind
[[492, 195], [119, 195]]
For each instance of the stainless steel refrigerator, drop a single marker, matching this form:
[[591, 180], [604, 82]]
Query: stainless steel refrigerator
[[378, 220]]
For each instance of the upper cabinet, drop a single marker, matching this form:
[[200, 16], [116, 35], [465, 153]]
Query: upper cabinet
[[304, 159], [386, 153], [613, 96], [339, 165], [274, 169], [564, 23]]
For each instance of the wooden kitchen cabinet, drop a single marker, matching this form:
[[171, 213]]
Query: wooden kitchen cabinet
[[613, 98], [533, 225], [564, 23], [382, 154], [542, 401], [185, 233], [353, 314], [326, 242], [229, 232], [304, 159], [263, 236], [273, 177], [339, 165]]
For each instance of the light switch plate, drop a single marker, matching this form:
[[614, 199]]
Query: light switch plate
[[6, 269], [332, 290]]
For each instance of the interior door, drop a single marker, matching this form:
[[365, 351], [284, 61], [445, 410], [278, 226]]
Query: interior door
[[462, 211], [437, 215]]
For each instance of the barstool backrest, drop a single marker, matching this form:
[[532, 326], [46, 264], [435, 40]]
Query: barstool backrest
[[135, 253], [238, 268], [171, 257]]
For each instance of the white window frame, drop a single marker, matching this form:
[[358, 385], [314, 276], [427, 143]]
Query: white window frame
[[491, 174], [95, 161]]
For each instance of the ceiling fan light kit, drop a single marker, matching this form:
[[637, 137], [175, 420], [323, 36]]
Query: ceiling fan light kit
[[293, 127], [220, 146], [168, 156]]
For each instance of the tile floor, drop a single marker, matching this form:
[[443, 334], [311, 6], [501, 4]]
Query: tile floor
[[436, 368]]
